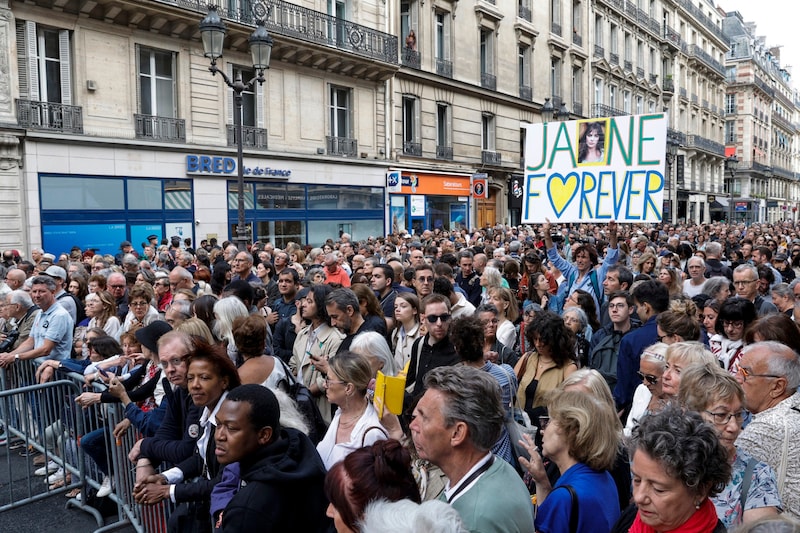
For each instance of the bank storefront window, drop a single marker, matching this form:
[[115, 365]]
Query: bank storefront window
[[100, 212], [309, 214]]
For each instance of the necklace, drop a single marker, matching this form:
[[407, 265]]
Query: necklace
[[347, 423]]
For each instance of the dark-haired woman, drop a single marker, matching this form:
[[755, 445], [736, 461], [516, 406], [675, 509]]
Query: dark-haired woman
[[250, 334], [547, 365], [735, 317], [591, 143], [381, 471], [210, 375]]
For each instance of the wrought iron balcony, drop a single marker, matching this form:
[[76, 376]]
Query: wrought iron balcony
[[628, 65], [488, 81], [782, 172], [602, 110], [444, 152], [412, 148], [444, 68], [35, 115], [707, 145], [730, 138], [160, 128], [599, 51], [694, 98], [555, 28], [756, 166], [291, 20], [695, 11], [491, 158], [640, 72], [653, 78], [698, 53], [577, 39], [342, 146], [761, 84], [251, 137], [525, 92], [668, 86], [676, 137], [778, 120], [577, 108], [525, 13], [613, 58], [682, 92], [411, 58]]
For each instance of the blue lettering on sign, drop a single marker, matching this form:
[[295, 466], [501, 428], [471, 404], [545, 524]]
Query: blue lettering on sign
[[203, 164]]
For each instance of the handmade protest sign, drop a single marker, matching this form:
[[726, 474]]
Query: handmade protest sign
[[595, 170]]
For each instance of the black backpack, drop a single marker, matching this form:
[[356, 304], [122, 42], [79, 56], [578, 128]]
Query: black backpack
[[305, 403], [80, 309]]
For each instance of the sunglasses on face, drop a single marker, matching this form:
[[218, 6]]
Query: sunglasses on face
[[649, 378], [433, 319]]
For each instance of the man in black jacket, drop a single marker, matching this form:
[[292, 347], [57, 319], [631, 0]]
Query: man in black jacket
[[282, 476]]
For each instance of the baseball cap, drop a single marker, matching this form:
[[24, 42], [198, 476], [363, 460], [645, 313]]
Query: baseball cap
[[56, 271]]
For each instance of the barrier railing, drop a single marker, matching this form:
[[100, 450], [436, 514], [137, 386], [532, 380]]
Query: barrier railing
[[45, 418]]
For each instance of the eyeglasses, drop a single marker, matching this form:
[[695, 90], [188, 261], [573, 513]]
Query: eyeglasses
[[329, 382], [117, 286], [722, 419], [138, 304], [425, 279], [433, 319], [735, 324], [491, 321], [748, 373], [744, 282], [544, 421], [649, 378]]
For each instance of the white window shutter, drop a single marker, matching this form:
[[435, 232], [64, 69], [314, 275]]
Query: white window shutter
[[22, 62], [417, 120], [258, 94], [33, 61], [66, 67], [446, 37], [231, 107], [492, 126], [449, 132]]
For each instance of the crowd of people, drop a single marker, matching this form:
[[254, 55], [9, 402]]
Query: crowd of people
[[558, 378]]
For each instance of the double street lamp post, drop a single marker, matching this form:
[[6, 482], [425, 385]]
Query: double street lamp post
[[731, 163], [212, 33]]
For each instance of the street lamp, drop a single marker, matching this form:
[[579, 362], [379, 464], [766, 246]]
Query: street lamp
[[731, 162], [672, 152], [562, 114], [547, 111], [212, 33]]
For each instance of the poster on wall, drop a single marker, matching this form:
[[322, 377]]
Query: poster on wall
[[595, 170], [139, 234], [417, 205], [458, 216], [181, 229], [398, 213]]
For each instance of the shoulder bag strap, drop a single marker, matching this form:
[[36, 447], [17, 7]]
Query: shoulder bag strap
[[748, 478], [573, 512]]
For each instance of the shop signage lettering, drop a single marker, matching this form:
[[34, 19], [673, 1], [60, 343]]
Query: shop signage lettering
[[204, 164], [595, 170]]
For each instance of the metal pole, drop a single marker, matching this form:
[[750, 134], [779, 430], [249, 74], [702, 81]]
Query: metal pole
[[241, 233]]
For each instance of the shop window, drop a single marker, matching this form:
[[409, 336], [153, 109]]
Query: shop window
[[82, 194], [279, 196], [144, 194]]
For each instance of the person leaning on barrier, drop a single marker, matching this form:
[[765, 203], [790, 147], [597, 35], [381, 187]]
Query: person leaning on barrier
[[51, 333], [21, 314]]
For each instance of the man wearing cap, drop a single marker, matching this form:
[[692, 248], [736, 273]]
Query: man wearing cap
[[125, 247], [59, 275], [51, 333]]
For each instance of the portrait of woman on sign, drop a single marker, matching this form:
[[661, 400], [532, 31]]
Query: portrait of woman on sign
[[591, 142]]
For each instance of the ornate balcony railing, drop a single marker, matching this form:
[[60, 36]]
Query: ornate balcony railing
[[668, 86], [682, 92], [628, 65], [251, 137], [653, 78], [489, 157], [411, 58], [782, 122], [525, 92], [555, 27], [35, 115], [702, 18], [160, 128], [761, 84], [577, 39], [488, 81], [640, 72], [599, 51], [412, 148], [342, 146], [577, 108], [694, 98], [602, 110], [525, 13], [783, 172], [748, 164], [672, 36], [707, 145], [291, 20], [704, 57], [613, 58], [444, 68], [676, 137], [444, 152]]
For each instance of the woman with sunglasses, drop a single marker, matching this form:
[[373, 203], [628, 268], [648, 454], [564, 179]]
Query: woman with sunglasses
[[735, 317], [649, 396], [162, 292], [356, 423], [718, 397]]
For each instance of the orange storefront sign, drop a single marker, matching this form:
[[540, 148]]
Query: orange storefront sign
[[416, 183]]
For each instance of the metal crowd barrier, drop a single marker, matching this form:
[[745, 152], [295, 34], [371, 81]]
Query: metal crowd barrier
[[45, 418]]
